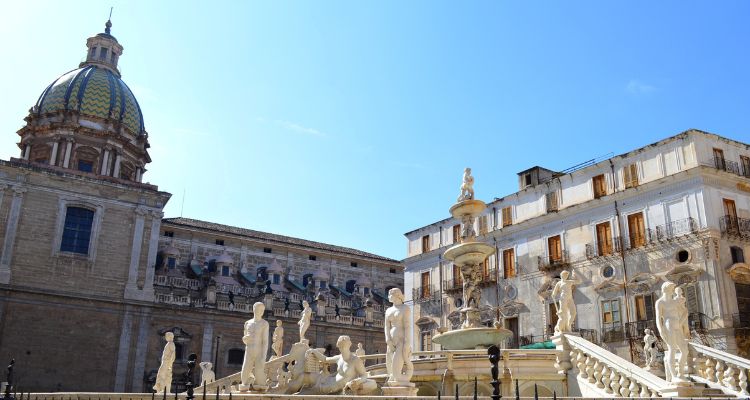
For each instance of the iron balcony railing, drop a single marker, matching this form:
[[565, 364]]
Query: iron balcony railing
[[612, 332], [553, 262], [424, 293], [734, 226], [453, 285], [723, 164], [489, 277], [676, 228], [635, 329], [601, 249]]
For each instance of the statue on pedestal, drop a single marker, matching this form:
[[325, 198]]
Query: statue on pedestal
[[304, 320], [351, 376], [670, 315], [255, 337], [164, 374], [207, 373], [397, 338], [649, 349], [467, 186], [277, 341], [566, 307]]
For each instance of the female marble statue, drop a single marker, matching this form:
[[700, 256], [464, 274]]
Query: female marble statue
[[360, 352], [164, 375], [397, 338], [467, 186], [277, 340], [649, 350], [304, 320], [350, 378], [670, 312], [566, 308], [256, 349]]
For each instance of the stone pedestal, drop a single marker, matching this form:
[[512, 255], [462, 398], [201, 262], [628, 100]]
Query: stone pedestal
[[403, 389], [682, 389]]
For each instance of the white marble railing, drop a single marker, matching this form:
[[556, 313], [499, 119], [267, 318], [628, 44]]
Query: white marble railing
[[176, 281], [377, 323], [236, 289], [343, 303], [721, 370], [610, 373], [226, 306], [360, 321], [172, 299]]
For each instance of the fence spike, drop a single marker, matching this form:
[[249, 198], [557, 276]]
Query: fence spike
[[204, 392], [438, 397], [518, 394], [217, 392], [536, 395], [475, 388], [457, 391]]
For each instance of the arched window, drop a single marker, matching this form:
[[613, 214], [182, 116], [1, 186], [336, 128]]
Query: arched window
[[86, 159], [738, 256], [235, 356], [77, 230]]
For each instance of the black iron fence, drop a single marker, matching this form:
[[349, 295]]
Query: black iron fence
[[612, 332], [603, 248], [676, 228], [424, 293], [734, 226], [553, 262]]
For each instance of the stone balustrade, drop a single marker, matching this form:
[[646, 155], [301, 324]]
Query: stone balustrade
[[721, 370], [177, 281], [173, 299], [226, 306], [607, 372]]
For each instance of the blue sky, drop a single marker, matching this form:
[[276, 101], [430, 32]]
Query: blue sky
[[351, 122]]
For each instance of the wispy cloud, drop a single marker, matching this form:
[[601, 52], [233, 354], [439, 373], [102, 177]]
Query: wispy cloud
[[637, 87], [305, 130]]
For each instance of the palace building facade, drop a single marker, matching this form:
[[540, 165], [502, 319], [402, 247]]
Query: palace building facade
[[677, 210], [92, 275]]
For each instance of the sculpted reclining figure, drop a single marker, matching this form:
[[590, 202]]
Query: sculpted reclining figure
[[350, 377]]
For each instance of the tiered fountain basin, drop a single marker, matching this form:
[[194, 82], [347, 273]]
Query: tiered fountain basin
[[472, 338]]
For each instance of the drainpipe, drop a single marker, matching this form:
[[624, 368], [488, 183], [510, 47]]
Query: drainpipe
[[622, 257], [497, 279], [440, 277]]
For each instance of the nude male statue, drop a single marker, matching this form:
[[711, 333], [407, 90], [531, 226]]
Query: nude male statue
[[467, 186], [304, 320], [397, 338], [164, 375], [670, 315], [255, 337]]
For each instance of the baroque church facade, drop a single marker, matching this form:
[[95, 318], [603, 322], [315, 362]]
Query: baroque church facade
[[92, 275]]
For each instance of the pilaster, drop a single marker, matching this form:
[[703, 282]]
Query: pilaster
[[123, 352], [10, 233], [53, 156], [153, 246], [131, 289], [68, 150]]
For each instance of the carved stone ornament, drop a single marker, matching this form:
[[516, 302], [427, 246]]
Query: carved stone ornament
[[740, 273], [643, 283], [511, 309], [545, 292], [683, 274]]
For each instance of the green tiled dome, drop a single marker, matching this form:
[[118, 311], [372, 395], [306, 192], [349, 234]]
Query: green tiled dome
[[93, 91]]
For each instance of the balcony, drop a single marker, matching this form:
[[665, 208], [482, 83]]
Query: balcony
[[601, 249], [177, 282], [489, 277], [551, 263], [634, 330], [676, 228], [638, 241], [612, 332], [723, 164], [735, 226], [453, 285], [424, 293]]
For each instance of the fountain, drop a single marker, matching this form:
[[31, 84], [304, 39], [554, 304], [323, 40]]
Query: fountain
[[468, 256]]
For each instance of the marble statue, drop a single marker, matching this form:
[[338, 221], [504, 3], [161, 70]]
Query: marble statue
[[649, 347], [398, 340], [360, 352], [679, 295], [256, 348], [294, 378], [207, 373], [277, 341], [566, 307], [164, 375], [670, 312], [467, 186], [304, 320], [351, 376]]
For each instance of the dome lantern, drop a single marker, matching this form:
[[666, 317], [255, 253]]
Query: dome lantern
[[103, 50]]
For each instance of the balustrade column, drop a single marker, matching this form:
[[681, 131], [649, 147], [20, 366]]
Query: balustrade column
[[719, 371], [614, 378], [743, 382], [606, 379], [624, 385], [729, 380]]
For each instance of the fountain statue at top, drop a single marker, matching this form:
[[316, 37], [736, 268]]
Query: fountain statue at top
[[468, 256]]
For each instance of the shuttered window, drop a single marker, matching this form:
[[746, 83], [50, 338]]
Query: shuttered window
[[644, 307], [507, 216], [456, 233], [509, 264], [554, 246], [552, 204], [425, 243], [630, 176], [637, 230], [604, 238], [600, 186]]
